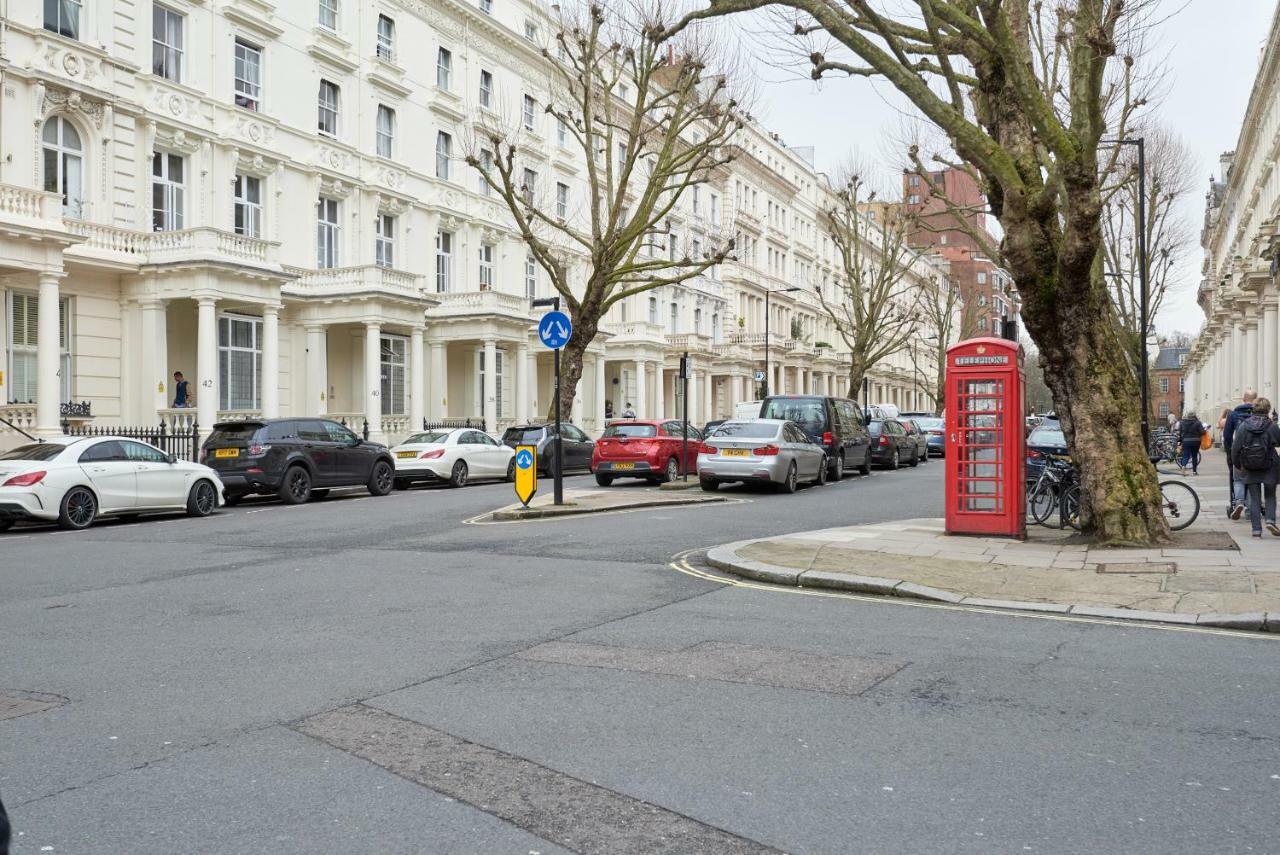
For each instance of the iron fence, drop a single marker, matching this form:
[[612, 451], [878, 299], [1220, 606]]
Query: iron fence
[[450, 424], [182, 443]]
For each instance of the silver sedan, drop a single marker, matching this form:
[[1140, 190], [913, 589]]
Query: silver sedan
[[763, 450]]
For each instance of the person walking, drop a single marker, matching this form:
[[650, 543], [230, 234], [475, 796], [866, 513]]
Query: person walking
[[181, 390], [1230, 419], [1190, 429], [1254, 457]]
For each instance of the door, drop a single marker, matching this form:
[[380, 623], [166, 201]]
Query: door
[[112, 475], [577, 448], [352, 458], [472, 449], [854, 436], [495, 453], [808, 454], [320, 450], [160, 483], [979, 428]]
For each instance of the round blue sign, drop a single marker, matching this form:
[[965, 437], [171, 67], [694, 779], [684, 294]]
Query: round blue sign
[[524, 459], [554, 329]]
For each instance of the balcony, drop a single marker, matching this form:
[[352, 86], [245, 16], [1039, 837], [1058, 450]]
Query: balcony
[[35, 208], [347, 281], [639, 331], [135, 247], [691, 342], [481, 303]]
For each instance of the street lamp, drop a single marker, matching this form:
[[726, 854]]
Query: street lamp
[[1143, 290], [767, 292]]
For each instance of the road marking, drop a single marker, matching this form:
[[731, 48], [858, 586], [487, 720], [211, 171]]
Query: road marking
[[680, 564]]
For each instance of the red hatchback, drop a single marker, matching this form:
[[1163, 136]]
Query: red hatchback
[[643, 449]]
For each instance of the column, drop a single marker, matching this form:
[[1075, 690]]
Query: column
[[48, 356], [522, 383], [207, 363], [155, 360], [642, 368], [316, 400], [535, 409], [438, 389], [270, 362], [735, 390], [372, 379], [777, 383], [691, 399], [488, 394], [1252, 375], [417, 379], [1270, 360], [708, 408], [659, 392], [598, 400], [1238, 381]]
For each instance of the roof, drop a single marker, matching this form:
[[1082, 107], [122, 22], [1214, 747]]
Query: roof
[[1167, 359]]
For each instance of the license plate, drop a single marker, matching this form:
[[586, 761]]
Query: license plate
[[227, 452], [620, 466], [406, 455], [735, 452]]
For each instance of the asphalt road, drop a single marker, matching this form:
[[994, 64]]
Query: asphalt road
[[379, 675]]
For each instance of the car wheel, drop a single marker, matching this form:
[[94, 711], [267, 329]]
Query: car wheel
[[381, 478], [836, 468], [790, 484], [709, 485], [5, 525], [924, 458], [896, 460], [603, 480], [78, 509], [511, 470], [671, 473], [295, 489], [459, 476], [821, 480], [202, 500], [915, 458]]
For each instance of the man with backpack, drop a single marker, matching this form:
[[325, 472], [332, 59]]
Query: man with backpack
[[1190, 430], [1230, 420], [1254, 458]]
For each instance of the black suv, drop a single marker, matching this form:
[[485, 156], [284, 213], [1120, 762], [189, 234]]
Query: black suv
[[834, 423], [296, 459], [575, 445]]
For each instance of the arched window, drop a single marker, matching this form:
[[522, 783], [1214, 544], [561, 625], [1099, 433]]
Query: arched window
[[64, 164]]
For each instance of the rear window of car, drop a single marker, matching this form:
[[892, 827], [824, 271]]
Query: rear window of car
[[34, 451], [424, 438], [809, 413], [233, 434], [930, 424], [745, 430], [631, 430], [1047, 436], [522, 435]]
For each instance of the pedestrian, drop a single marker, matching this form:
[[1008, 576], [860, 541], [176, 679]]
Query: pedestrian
[[1190, 429], [1230, 419], [1254, 458], [629, 412], [1173, 421], [181, 390]]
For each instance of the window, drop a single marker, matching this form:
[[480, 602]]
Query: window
[[653, 310], [562, 200], [982, 299], [1164, 385], [64, 164], [444, 148], [444, 262], [913, 199], [697, 200], [140, 453], [248, 206], [530, 112], [248, 75], [1164, 410], [486, 6], [562, 133], [328, 232], [167, 191], [622, 157], [62, 17], [530, 30], [384, 241], [386, 130], [393, 373], [24, 334], [1182, 359], [444, 68], [715, 209], [697, 321], [329, 14], [530, 185], [982, 323], [697, 249], [530, 276], [239, 362], [166, 43], [499, 392], [982, 278], [674, 326], [486, 165], [486, 267], [386, 38], [486, 88], [328, 112], [913, 181]]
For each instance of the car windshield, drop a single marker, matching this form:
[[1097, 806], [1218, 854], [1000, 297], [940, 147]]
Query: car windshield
[[809, 413], [1047, 436], [875, 426], [516, 436], [630, 430], [34, 451], [745, 430], [930, 423], [235, 434], [424, 438]]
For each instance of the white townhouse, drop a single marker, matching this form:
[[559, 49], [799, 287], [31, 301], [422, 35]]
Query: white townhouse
[[271, 198]]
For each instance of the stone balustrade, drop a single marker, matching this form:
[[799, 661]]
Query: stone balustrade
[[352, 280], [472, 302], [26, 204], [182, 245]]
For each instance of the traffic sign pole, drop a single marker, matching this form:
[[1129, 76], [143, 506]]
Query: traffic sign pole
[[684, 443], [554, 331], [558, 476]]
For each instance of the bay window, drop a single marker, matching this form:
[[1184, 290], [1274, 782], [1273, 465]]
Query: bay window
[[239, 362]]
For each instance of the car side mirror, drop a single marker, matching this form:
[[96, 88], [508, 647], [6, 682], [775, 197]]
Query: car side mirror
[[355, 440], [170, 459]]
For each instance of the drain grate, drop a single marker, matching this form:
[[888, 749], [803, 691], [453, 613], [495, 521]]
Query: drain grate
[[14, 704], [1159, 567]]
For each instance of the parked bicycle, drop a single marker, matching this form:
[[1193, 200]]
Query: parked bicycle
[[1057, 489], [1164, 447]]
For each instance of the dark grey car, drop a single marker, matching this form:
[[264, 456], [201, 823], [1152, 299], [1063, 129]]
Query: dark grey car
[[576, 445]]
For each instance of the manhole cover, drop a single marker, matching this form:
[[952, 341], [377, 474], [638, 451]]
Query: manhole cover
[[14, 703], [1159, 567]]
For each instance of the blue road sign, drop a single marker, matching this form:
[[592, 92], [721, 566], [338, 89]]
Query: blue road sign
[[554, 329], [524, 459]]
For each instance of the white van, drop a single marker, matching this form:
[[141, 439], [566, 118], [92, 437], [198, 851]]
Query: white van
[[747, 410], [885, 411]]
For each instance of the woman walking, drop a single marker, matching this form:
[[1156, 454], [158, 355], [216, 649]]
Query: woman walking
[[1190, 429], [1254, 457]]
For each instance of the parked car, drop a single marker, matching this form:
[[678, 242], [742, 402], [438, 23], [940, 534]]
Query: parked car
[[747, 410], [920, 436], [75, 480], [644, 449], [577, 447], [1045, 442], [935, 428], [891, 444], [770, 451], [712, 425], [915, 415], [457, 456], [296, 459], [886, 411], [834, 423]]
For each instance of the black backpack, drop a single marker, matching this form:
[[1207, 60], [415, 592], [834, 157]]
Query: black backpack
[[1255, 450]]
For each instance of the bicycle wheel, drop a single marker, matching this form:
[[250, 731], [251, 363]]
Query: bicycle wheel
[[1069, 506], [1042, 502], [1181, 504]]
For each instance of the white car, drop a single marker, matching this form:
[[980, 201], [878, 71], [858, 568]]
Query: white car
[[76, 480], [456, 456]]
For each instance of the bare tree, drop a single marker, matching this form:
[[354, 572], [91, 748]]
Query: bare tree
[[870, 302], [946, 319], [649, 123], [1026, 91]]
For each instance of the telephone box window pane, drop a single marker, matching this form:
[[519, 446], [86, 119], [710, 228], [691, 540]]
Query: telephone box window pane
[[980, 438]]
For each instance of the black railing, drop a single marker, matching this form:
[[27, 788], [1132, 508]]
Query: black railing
[[450, 424], [364, 431], [183, 443], [73, 410]]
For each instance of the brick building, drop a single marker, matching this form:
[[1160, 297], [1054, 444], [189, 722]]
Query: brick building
[[1168, 384]]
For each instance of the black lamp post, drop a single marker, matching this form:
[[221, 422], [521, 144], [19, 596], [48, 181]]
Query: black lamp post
[[1143, 289], [766, 332]]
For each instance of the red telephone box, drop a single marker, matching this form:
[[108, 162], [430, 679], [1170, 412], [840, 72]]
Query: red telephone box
[[986, 438]]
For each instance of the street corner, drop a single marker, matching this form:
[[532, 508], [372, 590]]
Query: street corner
[[578, 502]]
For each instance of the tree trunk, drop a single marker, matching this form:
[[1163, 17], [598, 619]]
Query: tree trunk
[[940, 384], [585, 326]]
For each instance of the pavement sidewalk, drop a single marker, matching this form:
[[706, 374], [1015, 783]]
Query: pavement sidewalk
[[1215, 574]]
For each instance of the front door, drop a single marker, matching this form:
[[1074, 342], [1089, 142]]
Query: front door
[[112, 475]]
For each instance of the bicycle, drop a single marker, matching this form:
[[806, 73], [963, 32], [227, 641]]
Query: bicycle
[[1180, 503], [1042, 498], [1164, 447]]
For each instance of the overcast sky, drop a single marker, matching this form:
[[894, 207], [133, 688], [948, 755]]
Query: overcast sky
[[1213, 47]]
